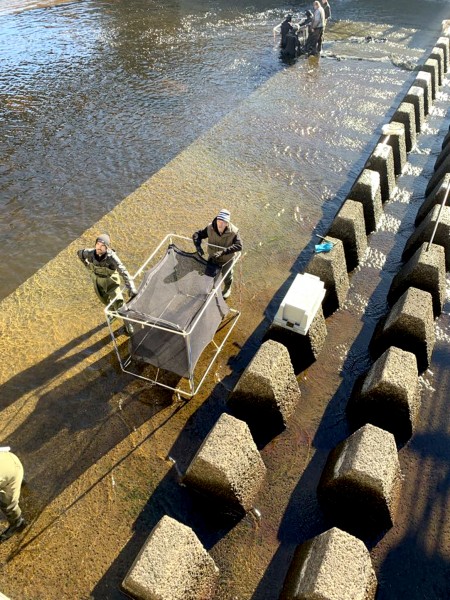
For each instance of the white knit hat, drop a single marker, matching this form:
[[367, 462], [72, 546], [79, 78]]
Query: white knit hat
[[224, 215]]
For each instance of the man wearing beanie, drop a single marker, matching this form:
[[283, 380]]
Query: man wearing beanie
[[104, 267], [221, 232]]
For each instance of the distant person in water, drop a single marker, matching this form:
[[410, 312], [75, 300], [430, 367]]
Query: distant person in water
[[223, 242], [11, 476], [316, 29], [104, 267], [286, 27], [291, 49], [327, 12]]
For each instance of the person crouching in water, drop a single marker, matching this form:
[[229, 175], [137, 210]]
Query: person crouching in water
[[104, 267], [292, 47], [220, 232]]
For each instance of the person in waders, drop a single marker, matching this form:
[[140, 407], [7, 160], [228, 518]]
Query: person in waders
[[105, 269], [11, 476], [220, 232]]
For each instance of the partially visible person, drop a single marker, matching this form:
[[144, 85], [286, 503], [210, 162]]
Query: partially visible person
[[286, 27], [220, 232], [104, 267], [327, 12], [292, 46], [316, 29], [11, 476]]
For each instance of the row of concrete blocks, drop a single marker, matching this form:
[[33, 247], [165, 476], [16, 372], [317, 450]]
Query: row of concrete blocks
[[362, 474]]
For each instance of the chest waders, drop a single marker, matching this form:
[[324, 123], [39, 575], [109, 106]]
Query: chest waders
[[224, 241], [107, 285]]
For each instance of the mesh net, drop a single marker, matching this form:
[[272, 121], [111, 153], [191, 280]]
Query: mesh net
[[172, 295]]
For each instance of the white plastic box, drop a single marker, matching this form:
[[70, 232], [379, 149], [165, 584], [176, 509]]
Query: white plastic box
[[301, 303]]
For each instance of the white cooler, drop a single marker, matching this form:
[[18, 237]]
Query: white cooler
[[301, 303]]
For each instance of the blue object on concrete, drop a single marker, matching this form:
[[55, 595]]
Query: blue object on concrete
[[324, 247]]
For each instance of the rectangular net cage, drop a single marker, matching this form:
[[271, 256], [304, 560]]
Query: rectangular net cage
[[177, 314]]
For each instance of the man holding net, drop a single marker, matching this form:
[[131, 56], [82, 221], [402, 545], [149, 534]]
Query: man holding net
[[223, 242]]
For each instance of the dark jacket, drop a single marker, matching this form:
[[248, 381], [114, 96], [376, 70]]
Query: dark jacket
[[285, 28], [229, 240]]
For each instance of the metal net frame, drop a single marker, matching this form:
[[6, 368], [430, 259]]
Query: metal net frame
[[178, 313]]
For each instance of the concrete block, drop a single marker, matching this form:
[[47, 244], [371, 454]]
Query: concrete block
[[405, 114], [436, 196], [431, 66], [394, 134], [441, 171], [172, 565], [425, 230], [443, 42], [409, 326], [331, 566], [389, 397], [425, 270], [445, 152], [267, 391], [382, 162], [360, 485], [228, 466], [303, 349], [423, 80], [331, 268], [415, 96], [349, 227], [438, 55], [367, 190]]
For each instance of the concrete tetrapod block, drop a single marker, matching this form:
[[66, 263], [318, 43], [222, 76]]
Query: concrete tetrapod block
[[436, 196], [441, 158], [349, 227], [331, 268], [415, 96], [444, 43], [409, 326], [267, 391], [423, 80], [425, 270], [394, 134], [405, 114], [172, 565], [331, 566], [389, 397], [303, 349], [439, 56], [431, 66], [367, 190], [382, 161], [439, 174], [360, 485], [425, 230], [228, 466]]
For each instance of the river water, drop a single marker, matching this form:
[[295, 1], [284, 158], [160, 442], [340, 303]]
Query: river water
[[96, 98]]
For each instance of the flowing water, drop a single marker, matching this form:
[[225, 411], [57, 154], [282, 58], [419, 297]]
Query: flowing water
[[96, 97]]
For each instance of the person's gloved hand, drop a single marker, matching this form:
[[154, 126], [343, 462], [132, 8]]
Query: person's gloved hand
[[200, 250], [217, 255]]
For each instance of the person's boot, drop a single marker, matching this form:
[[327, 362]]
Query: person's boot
[[129, 329], [19, 525], [226, 291]]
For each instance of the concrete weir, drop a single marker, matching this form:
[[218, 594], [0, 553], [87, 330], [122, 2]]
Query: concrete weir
[[382, 162], [303, 349], [425, 230], [367, 190], [405, 114], [415, 96], [423, 80], [409, 326], [389, 396], [267, 392], [425, 271], [331, 268], [394, 134], [172, 565], [333, 565], [349, 227], [431, 66], [436, 196], [360, 485], [443, 42], [228, 466]]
